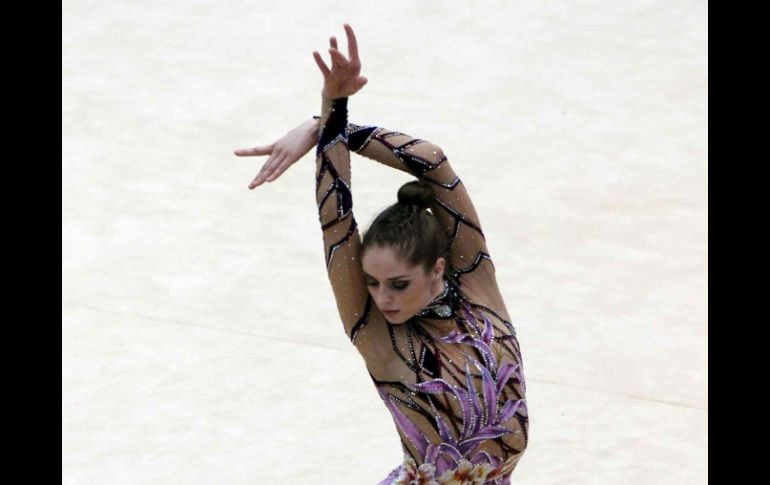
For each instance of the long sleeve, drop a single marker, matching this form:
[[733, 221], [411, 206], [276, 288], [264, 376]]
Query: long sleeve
[[452, 205], [342, 242]]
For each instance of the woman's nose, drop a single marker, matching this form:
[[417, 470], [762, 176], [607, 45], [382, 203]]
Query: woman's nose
[[383, 298]]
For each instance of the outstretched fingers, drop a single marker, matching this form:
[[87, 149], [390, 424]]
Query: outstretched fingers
[[250, 152], [267, 172], [352, 43], [278, 170], [321, 64], [338, 59]]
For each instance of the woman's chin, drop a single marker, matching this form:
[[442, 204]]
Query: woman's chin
[[395, 318], [398, 320]]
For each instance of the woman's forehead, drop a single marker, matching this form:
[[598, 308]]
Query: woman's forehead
[[383, 260]]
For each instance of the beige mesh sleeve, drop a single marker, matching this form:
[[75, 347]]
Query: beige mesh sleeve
[[452, 204]]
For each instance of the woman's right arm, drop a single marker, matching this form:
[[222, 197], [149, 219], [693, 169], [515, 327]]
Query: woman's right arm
[[451, 205]]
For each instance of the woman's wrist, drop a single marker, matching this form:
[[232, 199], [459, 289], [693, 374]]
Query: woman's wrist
[[326, 95]]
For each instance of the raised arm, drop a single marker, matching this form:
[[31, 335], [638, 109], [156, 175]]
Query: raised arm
[[451, 204], [342, 242]]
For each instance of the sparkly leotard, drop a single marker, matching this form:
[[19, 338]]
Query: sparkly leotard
[[452, 375]]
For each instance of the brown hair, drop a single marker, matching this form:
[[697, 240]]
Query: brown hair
[[412, 231]]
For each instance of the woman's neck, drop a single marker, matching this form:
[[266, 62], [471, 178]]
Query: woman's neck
[[441, 287]]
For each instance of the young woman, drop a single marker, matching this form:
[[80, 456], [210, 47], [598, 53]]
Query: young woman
[[418, 296]]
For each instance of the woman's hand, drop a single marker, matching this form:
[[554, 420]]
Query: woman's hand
[[343, 79], [284, 152]]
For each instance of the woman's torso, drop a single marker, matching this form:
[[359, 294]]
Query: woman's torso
[[444, 353]]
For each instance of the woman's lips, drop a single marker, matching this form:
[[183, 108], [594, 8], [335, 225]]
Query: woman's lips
[[386, 312]]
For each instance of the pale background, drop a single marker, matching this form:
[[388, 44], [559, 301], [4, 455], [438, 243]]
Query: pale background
[[200, 341]]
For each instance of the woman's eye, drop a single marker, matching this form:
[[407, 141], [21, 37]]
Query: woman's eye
[[397, 286]]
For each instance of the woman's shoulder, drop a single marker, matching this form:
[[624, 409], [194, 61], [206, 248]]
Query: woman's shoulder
[[486, 305], [484, 295]]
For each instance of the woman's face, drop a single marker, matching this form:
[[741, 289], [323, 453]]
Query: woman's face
[[397, 286]]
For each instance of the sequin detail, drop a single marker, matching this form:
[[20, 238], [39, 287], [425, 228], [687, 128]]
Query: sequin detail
[[439, 307]]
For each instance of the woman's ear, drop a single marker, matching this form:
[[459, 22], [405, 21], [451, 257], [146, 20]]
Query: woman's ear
[[439, 267]]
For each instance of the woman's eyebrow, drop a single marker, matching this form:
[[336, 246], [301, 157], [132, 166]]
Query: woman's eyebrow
[[389, 279]]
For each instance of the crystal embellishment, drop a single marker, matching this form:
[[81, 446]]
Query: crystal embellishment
[[438, 306]]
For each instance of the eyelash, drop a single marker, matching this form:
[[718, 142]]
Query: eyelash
[[394, 285]]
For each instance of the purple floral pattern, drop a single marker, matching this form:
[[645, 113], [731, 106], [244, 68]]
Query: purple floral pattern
[[456, 459]]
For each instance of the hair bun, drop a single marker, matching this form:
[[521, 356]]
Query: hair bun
[[416, 193]]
